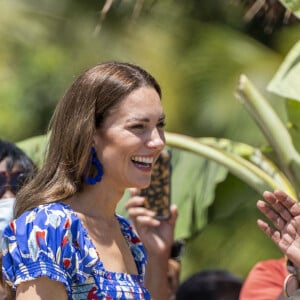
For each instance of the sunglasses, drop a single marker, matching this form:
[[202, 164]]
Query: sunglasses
[[12, 181]]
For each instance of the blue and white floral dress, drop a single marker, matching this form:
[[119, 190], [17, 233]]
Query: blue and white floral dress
[[51, 241]]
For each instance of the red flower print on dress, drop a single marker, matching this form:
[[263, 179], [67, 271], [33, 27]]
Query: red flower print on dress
[[91, 295], [67, 224], [39, 235], [64, 241], [12, 226], [67, 262], [135, 240]]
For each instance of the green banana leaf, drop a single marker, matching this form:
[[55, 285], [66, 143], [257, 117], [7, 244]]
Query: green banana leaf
[[285, 83], [256, 157], [293, 6], [275, 132], [251, 173], [286, 80], [35, 147], [293, 111]]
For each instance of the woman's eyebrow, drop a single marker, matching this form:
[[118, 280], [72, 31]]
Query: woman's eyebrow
[[138, 119], [142, 119]]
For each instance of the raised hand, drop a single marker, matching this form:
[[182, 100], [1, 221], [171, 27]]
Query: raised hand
[[284, 214], [157, 236]]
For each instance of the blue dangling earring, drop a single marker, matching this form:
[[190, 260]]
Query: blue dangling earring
[[97, 163]]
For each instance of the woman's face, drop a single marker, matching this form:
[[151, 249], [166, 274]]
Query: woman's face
[[131, 138]]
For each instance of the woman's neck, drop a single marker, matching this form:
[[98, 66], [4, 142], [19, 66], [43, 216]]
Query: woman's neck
[[96, 201]]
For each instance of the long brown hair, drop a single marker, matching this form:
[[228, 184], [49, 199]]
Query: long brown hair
[[80, 112]]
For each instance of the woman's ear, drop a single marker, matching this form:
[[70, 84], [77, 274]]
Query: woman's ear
[[97, 140]]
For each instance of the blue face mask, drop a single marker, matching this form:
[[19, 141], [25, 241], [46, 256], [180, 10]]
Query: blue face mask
[[6, 214]]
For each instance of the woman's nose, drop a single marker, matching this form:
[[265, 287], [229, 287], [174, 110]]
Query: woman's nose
[[157, 139]]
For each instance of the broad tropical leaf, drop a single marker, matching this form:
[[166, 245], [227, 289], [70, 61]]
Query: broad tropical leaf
[[275, 132], [285, 83], [293, 6], [35, 148], [249, 172], [286, 80]]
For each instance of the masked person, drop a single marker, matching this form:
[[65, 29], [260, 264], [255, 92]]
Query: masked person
[[67, 242], [15, 168]]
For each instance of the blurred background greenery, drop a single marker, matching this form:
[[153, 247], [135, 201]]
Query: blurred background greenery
[[197, 51]]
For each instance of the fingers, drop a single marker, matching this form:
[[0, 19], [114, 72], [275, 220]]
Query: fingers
[[284, 212], [278, 204], [283, 239], [134, 192], [273, 234], [134, 201], [135, 207], [291, 204], [279, 207], [142, 217], [146, 221], [284, 202], [276, 219], [138, 213], [174, 214]]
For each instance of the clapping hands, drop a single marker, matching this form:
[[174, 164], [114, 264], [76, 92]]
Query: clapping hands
[[284, 214]]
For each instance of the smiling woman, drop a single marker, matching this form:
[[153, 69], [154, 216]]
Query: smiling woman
[[67, 241]]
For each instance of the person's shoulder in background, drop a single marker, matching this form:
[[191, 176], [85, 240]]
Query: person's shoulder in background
[[265, 280]]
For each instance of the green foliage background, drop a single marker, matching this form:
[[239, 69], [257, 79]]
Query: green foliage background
[[197, 51]]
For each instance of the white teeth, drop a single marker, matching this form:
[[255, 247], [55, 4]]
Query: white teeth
[[143, 159]]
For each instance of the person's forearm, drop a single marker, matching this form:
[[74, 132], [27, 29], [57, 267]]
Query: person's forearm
[[156, 279]]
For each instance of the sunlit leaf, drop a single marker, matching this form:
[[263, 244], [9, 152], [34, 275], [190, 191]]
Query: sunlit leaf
[[293, 6], [293, 110], [286, 80], [256, 157], [244, 169], [272, 127], [35, 148]]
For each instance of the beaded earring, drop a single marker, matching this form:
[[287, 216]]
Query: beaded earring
[[97, 163]]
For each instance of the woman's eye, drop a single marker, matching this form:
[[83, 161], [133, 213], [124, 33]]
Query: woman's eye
[[161, 124], [137, 126]]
